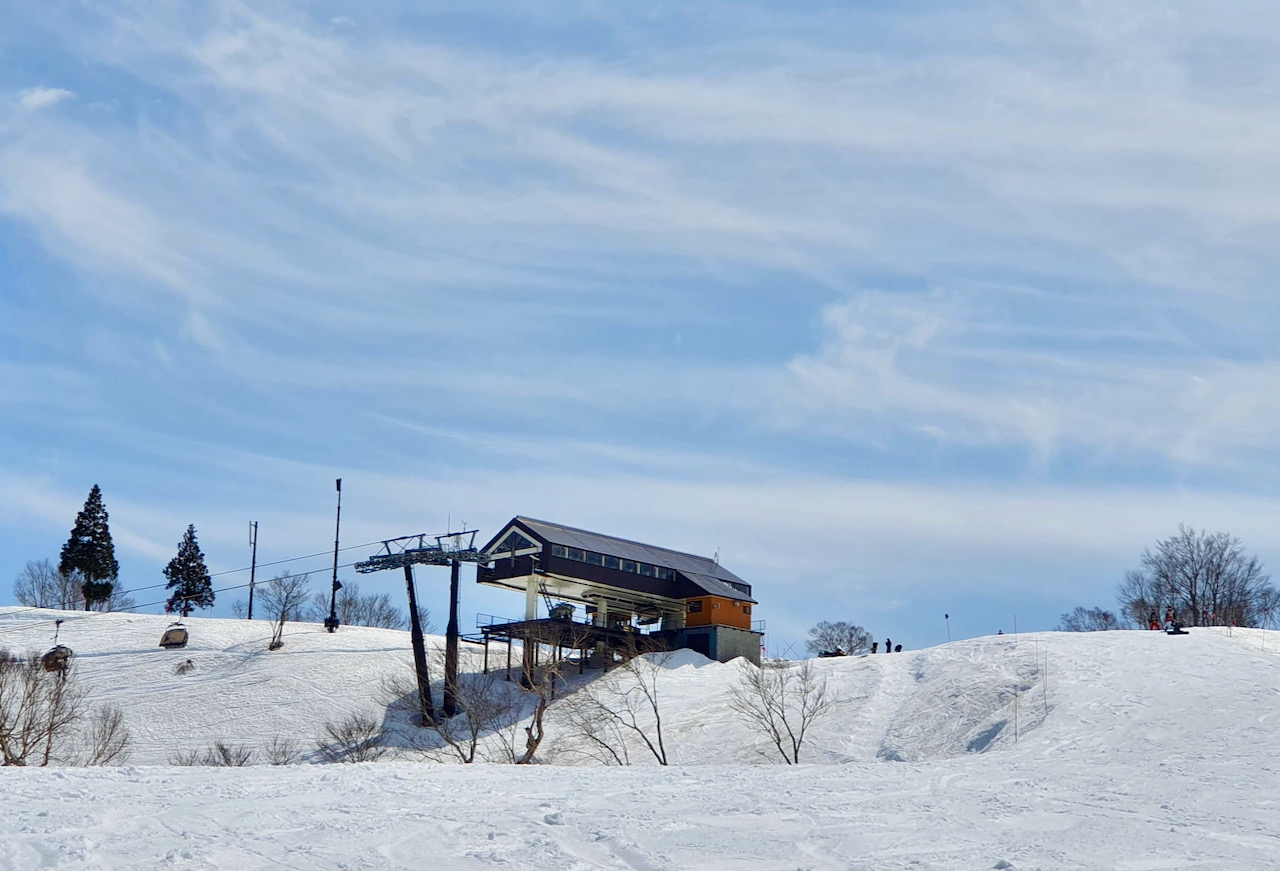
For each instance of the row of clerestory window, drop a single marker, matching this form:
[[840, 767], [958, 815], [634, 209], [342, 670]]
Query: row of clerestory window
[[613, 562]]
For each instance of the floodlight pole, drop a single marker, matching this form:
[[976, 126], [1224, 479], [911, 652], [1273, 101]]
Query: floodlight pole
[[425, 703], [331, 622], [451, 645], [253, 562]]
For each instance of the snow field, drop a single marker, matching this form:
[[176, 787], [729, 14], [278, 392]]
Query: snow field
[[1154, 752]]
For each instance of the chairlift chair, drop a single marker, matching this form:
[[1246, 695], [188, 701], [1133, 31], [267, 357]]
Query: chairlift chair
[[175, 637], [59, 657]]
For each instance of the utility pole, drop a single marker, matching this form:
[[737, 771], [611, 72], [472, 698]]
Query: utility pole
[[331, 622], [425, 702], [451, 645], [253, 561]]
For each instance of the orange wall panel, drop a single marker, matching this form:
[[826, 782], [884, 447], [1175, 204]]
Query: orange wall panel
[[719, 612]]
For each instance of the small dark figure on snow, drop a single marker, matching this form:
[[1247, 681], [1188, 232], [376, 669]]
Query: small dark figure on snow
[[875, 647], [897, 648], [888, 646], [1154, 621]]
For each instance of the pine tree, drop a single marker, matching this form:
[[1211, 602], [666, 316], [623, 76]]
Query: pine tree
[[90, 552], [188, 578]]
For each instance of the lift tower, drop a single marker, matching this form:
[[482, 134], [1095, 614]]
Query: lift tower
[[451, 549]]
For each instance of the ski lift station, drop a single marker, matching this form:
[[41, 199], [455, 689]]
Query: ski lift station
[[632, 595]]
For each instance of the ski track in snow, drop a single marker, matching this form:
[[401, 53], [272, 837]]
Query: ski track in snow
[[1135, 752]]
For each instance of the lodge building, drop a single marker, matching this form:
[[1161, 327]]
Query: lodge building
[[628, 591]]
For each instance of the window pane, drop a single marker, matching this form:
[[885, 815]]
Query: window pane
[[593, 558], [628, 566], [515, 541], [646, 570], [610, 562], [574, 553], [695, 606], [558, 550]]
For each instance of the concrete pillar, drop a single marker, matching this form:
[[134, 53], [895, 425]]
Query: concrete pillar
[[531, 598], [603, 656]]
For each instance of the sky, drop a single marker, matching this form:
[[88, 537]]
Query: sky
[[902, 309]]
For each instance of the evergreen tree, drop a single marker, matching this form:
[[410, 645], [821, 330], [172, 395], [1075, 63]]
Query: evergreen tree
[[188, 578], [90, 552]]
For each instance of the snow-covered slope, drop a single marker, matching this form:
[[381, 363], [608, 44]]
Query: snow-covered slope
[[1131, 750]]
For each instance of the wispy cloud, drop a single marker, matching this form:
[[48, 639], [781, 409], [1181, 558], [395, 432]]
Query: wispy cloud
[[42, 98], [1109, 377], [969, 243]]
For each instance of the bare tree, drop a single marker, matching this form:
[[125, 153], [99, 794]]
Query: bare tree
[[39, 708], [783, 699], [358, 737], [590, 732], [543, 682], [107, 739], [828, 637], [219, 754], [186, 758], [1083, 619], [622, 707], [41, 585], [283, 599], [118, 600], [1206, 578], [281, 751], [488, 705], [354, 608]]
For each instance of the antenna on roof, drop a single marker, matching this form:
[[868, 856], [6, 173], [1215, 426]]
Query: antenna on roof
[[717, 555]]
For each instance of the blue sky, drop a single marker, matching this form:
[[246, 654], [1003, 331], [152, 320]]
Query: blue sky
[[903, 308]]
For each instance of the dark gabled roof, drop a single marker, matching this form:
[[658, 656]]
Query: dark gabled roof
[[702, 571]]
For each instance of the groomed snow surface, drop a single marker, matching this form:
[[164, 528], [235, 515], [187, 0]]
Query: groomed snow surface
[[1133, 750]]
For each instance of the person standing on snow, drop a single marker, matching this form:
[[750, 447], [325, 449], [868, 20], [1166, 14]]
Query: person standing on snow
[[1154, 622]]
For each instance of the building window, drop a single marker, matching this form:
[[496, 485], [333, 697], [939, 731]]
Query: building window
[[629, 566], [514, 541], [695, 606], [746, 609], [593, 558], [646, 570], [610, 562], [715, 605], [559, 550]]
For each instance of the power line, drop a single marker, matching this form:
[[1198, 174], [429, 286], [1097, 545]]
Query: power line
[[217, 575], [85, 615]]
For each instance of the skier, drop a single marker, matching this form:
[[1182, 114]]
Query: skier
[[888, 646], [1168, 617], [1154, 622]]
